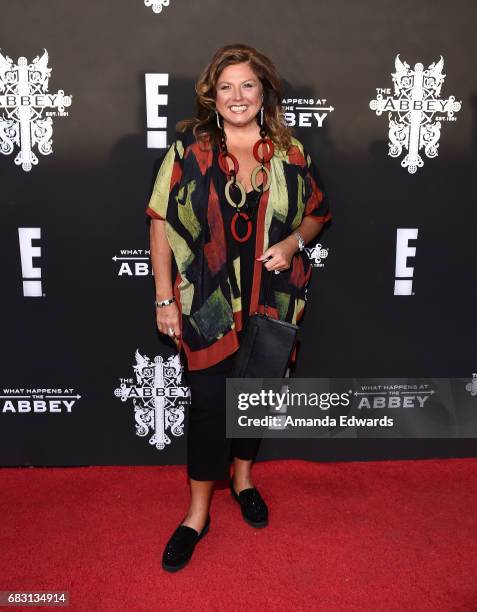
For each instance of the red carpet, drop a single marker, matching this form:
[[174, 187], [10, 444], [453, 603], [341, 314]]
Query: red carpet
[[383, 536]]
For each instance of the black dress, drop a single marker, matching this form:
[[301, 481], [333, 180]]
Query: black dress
[[209, 452]]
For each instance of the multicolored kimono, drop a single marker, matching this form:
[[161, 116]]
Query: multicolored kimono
[[189, 194]]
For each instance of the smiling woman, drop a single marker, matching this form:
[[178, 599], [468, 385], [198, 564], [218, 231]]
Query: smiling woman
[[235, 192], [239, 94]]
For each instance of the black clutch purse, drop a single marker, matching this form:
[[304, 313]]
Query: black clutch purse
[[265, 346]]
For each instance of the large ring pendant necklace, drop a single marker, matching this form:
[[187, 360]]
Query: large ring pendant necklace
[[268, 150]]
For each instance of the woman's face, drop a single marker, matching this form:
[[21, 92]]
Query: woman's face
[[239, 94]]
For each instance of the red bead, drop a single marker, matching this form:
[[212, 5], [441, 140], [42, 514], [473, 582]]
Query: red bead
[[268, 149], [224, 165], [234, 229]]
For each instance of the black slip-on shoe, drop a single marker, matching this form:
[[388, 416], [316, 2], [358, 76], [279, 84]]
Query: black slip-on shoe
[[181, 545], [254, 509]]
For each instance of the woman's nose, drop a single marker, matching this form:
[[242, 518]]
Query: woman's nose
[[237, 94]]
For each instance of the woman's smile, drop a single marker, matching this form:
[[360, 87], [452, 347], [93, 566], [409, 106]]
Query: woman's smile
[[239, 109]]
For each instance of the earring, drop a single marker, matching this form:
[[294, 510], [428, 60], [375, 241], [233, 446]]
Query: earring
[[218, 122], [261, 117]]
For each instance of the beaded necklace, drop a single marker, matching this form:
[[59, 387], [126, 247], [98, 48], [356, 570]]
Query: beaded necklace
[[268, 150]]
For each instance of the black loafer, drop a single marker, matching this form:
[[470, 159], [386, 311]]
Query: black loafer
[[254, 509], [179, 549]]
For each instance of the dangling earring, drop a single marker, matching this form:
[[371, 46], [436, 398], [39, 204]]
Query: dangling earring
[[218, 122], [261, 116]]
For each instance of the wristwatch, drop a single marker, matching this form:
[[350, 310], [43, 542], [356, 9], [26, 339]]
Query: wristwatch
[[301, 242], [164, 302]]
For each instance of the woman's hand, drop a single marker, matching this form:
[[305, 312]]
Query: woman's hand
[[167, 318], [280, 254]]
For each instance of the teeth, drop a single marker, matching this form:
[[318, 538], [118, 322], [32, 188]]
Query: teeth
[[238, 109]]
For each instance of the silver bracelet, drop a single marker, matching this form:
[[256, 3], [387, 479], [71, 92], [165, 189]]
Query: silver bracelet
[[163, 303], [301, 242]]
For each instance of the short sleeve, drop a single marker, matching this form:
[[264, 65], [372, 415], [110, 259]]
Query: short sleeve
[[167, 179], [316, 205]]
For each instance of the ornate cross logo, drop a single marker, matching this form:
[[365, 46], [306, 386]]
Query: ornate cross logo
[[416, 111], [158, 398], [156, 4], [24, 100], [472, 386]]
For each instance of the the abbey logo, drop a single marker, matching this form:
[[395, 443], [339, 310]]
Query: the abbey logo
[[133, 262], [316, 254], [415, 111], [157, 5], [471, 387], [392, 395], [26, 108], [158, 396], [156, 119], [37, 400], [305, 112]]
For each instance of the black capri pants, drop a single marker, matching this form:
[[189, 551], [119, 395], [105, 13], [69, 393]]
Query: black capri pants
[[209, 451]]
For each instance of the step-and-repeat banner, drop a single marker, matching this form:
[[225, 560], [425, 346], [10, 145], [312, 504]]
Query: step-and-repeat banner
[[382, 93]]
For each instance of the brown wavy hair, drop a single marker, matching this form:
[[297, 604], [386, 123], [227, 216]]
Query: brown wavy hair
[[204, 125]]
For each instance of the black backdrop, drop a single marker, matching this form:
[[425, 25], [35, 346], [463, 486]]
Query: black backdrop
[[79, 337]]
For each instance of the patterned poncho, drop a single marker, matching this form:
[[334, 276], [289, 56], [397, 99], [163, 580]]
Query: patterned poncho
[[188, 193]]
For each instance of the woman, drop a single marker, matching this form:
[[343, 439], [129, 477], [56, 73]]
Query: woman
[[235, 192]]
